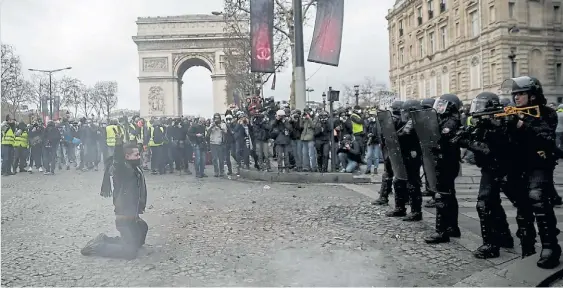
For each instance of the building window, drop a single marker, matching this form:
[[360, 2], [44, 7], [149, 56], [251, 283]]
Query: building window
[[511, 10], [558, 74], [410, 52], [430, 9], [442, 6], [401, 55], [475, 73], [433, 86], [421, 47], [400, 28], [492, 14], [457, 30], [493, 73], [422, 88], [431, 46], [221, 62], [458, 83], [514, 68], [556, 13], [443, 37], [445, 82], [474, 17], [419, 15]]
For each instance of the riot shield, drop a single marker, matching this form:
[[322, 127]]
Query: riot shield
[[426, 125], [392, 147]]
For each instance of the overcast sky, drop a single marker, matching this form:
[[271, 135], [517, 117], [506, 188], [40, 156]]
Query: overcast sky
[[94, 37]]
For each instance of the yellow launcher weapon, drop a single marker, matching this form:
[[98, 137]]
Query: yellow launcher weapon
[[533, 111]]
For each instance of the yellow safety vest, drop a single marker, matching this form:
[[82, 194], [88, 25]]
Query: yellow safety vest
[[131, 136], [8, 137], [22, 140], [469, 121], [357, 128], [151, 140], [110, 134]]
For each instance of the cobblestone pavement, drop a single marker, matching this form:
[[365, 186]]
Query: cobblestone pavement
[[218, 232]]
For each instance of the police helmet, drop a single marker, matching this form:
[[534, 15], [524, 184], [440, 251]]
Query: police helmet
[[525, 84], [485, 101], [396, 107], [427, 103], [411, 105], [447, 103]]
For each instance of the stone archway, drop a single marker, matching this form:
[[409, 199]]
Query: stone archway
[[167, 47]]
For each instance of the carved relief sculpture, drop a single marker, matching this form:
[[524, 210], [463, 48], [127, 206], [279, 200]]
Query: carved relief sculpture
[[155, 64], [156, 100]]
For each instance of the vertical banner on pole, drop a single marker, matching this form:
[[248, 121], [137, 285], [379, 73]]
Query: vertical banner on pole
[[327, 36], [57, 107], [262, 36]]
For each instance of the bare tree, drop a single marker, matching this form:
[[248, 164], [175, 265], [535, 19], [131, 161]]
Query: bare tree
[[87, 100], [18, 96], [283, 34], [11, 70], [106, 92], [348, 95], [71, 90], [40, 89]]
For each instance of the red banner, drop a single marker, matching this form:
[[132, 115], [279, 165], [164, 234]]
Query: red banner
[[327, 36], [262, 36]]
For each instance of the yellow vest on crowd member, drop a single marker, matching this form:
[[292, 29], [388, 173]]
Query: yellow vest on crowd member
[[8, 137], [131, 136], [469, 123], [110, 134], [22, 140], [357, 128], [151, 140]]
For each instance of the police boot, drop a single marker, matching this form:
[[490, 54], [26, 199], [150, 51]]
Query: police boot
[[453, 214], [486, 220], [416, 206], [384, 190], [503, 229], [441, 234], [547, 229], [527, 235], [400, 200]]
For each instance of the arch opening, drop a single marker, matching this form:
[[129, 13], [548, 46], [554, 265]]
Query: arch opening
[[195, 89]]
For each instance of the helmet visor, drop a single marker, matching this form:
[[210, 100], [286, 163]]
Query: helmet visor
[[515, 85], [440, 105], [478, 105]]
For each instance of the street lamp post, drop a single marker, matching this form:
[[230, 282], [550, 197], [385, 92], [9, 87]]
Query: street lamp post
[[357, 94], [324, 101], [50, 72], [333, 96], [309, 90]]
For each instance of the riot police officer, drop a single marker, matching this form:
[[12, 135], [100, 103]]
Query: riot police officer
[[387, 177], [409, 189], [533, 133], [487, 140], [447, 168]]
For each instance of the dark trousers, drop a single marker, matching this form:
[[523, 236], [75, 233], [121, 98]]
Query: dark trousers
[[447, 207], [243, 154], [36, 156], [323, 153], [20, 159], [158, 159], [7, 158], [217, 158], [283, 156], [494, 226], [133, 233], [200, 159], [229, 152], [50, 158], [178, 157], [188, 155]]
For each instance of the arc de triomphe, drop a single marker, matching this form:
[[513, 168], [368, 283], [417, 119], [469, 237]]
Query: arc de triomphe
[[167, 47]]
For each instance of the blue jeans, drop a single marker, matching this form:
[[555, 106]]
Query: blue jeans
[[309, 155], [297, 151], [372, 156], [199, 162], [348, 165]]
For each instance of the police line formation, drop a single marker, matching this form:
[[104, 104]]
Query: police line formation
[[427, 133]]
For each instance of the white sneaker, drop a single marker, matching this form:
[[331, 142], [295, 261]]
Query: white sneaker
[[29, 169], [40, 169]]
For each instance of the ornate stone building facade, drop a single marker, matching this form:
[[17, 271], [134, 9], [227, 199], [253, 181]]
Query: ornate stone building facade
[[465, 47]]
